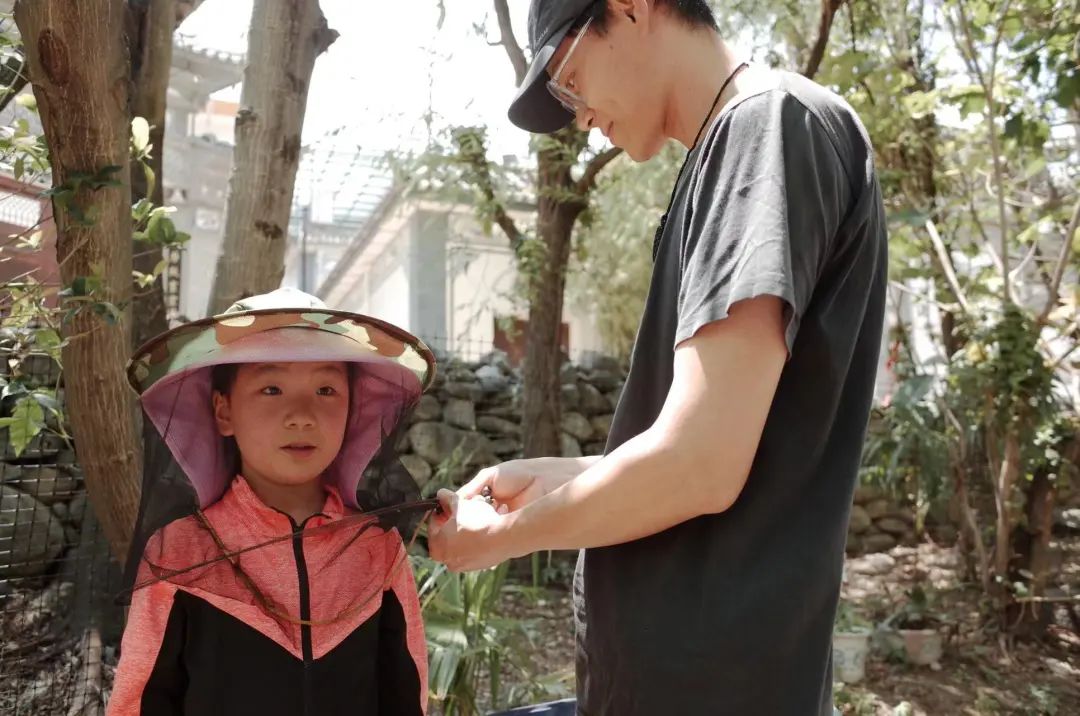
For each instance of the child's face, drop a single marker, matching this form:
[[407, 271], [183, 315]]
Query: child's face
[[288, 419]]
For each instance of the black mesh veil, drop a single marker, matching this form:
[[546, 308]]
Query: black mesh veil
[[208, 548]]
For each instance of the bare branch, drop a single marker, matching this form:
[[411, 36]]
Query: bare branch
[[817, 54], [185, 8], [1062, 262], [474, 155], [947, 265], [508, 41], [593, 168]]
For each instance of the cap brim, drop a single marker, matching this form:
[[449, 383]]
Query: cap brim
[[534, 109]]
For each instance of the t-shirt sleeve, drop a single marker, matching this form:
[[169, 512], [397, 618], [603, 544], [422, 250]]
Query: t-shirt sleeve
[[766, 203]]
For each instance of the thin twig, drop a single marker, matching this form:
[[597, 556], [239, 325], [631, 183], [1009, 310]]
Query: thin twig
[[1062, 262], [947, 265], [509, 42], [601, 160]]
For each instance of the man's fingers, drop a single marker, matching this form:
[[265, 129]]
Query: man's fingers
[[448, 500], [473, 487]]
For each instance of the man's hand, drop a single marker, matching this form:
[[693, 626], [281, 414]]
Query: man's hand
[[516, 483], [470, 534]]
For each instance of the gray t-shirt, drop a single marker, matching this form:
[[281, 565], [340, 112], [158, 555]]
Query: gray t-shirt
[[732, 613]]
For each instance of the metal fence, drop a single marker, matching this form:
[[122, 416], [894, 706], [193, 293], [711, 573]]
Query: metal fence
[[58, 625]]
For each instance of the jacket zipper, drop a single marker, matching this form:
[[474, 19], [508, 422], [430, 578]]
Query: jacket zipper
[[305, 610]]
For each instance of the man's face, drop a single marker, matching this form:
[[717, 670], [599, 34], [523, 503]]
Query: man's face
[[615, 78], [288, 419]]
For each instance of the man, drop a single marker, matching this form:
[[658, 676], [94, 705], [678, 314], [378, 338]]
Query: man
[[713, 527]]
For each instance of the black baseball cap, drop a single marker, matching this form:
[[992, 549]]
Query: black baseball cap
[[534, 109]]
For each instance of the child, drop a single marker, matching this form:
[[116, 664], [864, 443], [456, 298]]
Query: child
[[259, 587]]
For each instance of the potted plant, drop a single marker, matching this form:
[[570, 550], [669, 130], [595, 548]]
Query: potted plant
[[919, 628], [851, 644]]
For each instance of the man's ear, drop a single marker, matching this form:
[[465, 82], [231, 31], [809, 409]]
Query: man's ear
[[223, 414], [633, 10]]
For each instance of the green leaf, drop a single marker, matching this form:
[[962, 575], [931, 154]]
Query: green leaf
[[19, 169], [25, 423], [140, 134], [27, 101], [47, 339], [148, 173]]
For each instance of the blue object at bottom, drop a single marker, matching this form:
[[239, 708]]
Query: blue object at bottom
[[565, 707]]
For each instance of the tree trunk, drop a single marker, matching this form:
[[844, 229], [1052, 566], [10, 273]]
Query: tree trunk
[[285, 38], [80, 74], [542, 398], [150, 44]]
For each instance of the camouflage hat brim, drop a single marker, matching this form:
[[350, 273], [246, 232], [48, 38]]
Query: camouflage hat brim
[[206, 342]]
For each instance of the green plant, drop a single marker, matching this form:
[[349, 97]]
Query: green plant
[[849, 619], [919, 611], [466, 638]]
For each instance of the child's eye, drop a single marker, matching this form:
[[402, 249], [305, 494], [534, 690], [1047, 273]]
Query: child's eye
[[271, 390], [327, 390]]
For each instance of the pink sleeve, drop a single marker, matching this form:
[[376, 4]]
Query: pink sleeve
[[144, 634]]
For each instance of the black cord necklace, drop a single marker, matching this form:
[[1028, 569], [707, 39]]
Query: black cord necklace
[[686, 160]]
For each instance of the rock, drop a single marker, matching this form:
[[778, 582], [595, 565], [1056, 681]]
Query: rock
[[418, 468], [892, 526], [872, 564], [944, 534], [570, 446], [498, 426], [878, 508], [613, 397], [491, 378], [577, 425], [465, 391], [591, 361], [853, 546], [878, 542], [427, 409], [1068, 519], [505, 446], [460, 413], [592, 400], [865, 494], [31, 536], [460, 373], [596, 448], [904, 513], [498, 359], [77, 509], [601, 425], [502, 411], [605, 380], [571, 397], [404, 444], [568, 374], [60, 509], [437, 442], [859, 521]]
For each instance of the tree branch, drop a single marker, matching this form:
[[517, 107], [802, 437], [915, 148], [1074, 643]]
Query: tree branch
[[473, 154], [1062, 263], [508, 41], [947, 265], [817, 54], [593, 168]]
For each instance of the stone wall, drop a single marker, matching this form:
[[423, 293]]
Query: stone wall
[[472, 416]]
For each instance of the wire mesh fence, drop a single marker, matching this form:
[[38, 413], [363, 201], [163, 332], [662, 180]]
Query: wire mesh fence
[[58, 625]]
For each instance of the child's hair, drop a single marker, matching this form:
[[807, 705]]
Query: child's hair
[[223, 376]]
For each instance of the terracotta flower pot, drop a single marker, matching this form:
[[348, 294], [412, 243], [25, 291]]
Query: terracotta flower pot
[[922, 646]]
